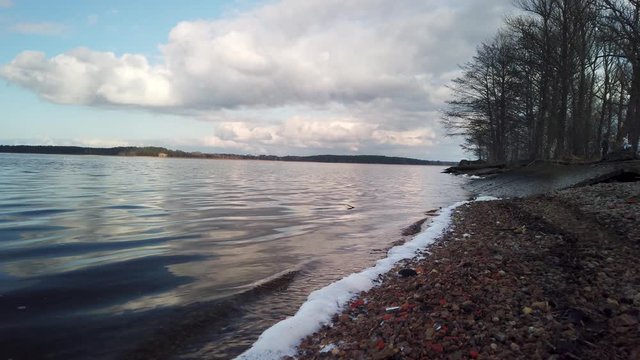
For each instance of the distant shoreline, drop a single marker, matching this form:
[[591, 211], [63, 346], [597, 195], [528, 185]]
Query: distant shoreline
[[152, 151]]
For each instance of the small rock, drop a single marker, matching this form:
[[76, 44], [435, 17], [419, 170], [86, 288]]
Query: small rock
[[494, 346], [613, 302], [468, 306], [577, 316], [534, 331], [527, 310], [608, 312], [502, 273], [328, 348], [514, 347], [495, 319], [407, 273], [357, 303], [541, 305], [405, 348], [437, 326], [624, 320], [521, 230], [439, 348], [429, 333], [500, 337], [383, 354]]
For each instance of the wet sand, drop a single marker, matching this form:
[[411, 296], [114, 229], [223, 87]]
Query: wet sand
[[544, 277]]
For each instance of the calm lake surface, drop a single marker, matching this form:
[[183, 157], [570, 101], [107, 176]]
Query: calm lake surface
[[114, 257]]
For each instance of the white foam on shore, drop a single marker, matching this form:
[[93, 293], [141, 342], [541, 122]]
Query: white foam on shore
[[282, 338], [472, 177]]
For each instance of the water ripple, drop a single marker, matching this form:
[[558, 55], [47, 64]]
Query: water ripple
[[106, 250]]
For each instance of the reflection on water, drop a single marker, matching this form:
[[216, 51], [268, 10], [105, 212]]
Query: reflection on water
[[111, 249]]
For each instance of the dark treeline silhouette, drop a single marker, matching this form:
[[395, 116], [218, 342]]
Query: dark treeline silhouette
[[363, 159], [163, 152], [560, 81], [78, 150]]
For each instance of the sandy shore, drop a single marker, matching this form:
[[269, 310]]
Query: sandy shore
[[545, 277]]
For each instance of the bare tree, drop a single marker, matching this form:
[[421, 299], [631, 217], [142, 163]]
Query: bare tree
[[621, 18], [485, 103], [560, 81]]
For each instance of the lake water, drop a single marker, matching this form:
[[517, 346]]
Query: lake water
[[114, 257]]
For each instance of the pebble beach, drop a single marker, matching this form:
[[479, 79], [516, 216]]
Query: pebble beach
[[550, 276]]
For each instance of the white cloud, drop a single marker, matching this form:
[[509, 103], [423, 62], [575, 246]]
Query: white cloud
[[6, 3], [88, 77], [338, 134], [40, 28], [377, 69], [290, 52], [91, 142]]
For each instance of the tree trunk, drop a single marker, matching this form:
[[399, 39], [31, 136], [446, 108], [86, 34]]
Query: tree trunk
[[633, 112]]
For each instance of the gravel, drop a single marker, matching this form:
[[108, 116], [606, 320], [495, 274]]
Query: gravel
[[614, 205], [546, 277]]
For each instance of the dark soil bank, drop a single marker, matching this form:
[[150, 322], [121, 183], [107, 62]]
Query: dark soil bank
[[547, 277]]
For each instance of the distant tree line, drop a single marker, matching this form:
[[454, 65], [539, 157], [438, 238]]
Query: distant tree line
[[163, 152], [79, 150], [362, 159], [560, 81]]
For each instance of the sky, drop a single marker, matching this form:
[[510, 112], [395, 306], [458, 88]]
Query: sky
[[287, 77]]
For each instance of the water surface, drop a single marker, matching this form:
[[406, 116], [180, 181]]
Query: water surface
[[114, 257]]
